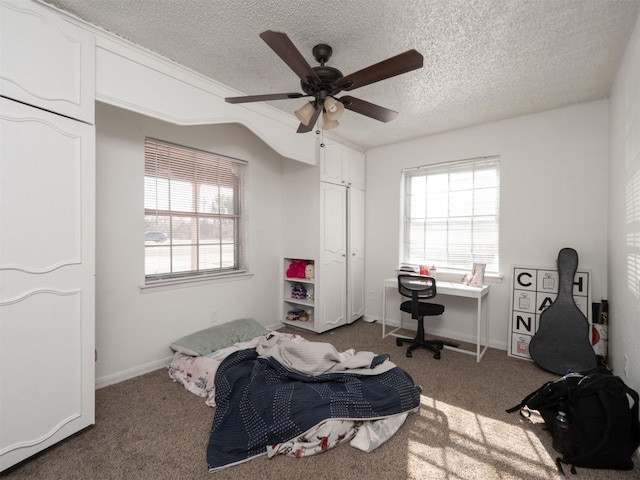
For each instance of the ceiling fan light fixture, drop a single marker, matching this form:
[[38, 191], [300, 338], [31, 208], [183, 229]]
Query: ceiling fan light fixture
[[305, 113], [333, 109], [327, 123]]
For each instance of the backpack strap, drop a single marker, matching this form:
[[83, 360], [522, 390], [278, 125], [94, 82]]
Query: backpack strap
[[634, 434], [526, 399], [523, 403], [559, 463], [520, 406]]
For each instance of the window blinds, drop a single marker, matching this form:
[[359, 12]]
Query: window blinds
[[452, 214], [194, 212]]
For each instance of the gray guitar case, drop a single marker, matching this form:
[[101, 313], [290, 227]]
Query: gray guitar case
[[562, 341]]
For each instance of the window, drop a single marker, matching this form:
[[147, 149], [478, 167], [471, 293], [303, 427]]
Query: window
[[193, 207], [452, 214]]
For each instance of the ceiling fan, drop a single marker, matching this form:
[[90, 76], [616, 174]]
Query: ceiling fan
[[323, 83]]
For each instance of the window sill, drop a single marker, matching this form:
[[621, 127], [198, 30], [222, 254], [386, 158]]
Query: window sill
[[457, 275], [447, 275], [172, 284]]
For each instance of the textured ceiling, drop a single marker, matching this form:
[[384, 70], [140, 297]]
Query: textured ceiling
[[484, 60]]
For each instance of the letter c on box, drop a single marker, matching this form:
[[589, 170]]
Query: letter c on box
[[520, 279]]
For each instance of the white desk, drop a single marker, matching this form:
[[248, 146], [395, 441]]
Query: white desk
[[481, 294]]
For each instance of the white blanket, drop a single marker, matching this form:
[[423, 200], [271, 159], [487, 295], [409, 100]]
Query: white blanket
[[316, 358]]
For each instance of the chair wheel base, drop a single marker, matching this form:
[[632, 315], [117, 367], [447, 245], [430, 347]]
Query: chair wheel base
[[434, 346]]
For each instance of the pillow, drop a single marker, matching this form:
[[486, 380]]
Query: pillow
[[211, 339]]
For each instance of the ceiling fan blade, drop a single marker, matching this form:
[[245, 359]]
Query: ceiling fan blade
[[287, 51], [403, 63], [368, 109], [264, 98], [302, 128]]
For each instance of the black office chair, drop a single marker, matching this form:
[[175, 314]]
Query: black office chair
[[419, 287]]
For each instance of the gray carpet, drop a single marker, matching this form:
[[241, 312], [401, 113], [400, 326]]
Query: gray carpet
[[151, 428]]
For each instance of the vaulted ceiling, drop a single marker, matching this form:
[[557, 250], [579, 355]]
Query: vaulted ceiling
[[484, 60]]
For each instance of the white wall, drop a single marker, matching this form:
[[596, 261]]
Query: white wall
[[553, 195], [624, 216], [134, 329]]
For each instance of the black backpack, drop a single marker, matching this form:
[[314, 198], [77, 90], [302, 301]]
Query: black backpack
[[604, 431]]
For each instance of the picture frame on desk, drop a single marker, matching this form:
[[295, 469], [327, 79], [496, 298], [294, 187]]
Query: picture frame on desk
[[477, 274]]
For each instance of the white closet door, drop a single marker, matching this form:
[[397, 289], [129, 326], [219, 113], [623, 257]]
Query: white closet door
[[356, 254], [332, 277], [333, 168], [46, 61], [47, 265]]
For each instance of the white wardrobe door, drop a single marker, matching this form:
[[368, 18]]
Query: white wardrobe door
[[47, 293], [356, 253], [46, 61], [332, 277]]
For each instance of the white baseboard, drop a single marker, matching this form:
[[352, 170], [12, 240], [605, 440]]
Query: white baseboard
[[148, 367], [132, 372]]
